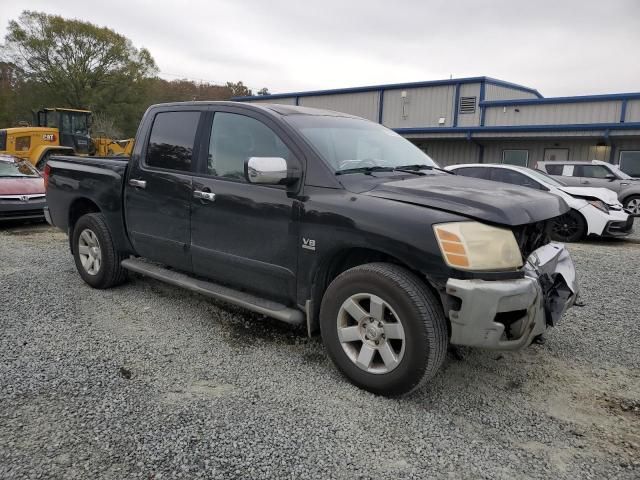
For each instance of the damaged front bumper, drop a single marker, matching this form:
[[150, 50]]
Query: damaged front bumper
[[508, 314]]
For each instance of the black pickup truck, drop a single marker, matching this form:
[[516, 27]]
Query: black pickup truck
[[325, 219]]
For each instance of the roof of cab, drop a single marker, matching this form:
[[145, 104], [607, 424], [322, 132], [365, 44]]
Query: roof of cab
[[279, 109]]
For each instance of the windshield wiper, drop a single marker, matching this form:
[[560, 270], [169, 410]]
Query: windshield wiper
[[365, 170], [417, 167]]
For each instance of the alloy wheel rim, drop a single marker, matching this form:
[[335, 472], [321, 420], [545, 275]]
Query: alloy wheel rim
[[565, 226], [89, 252], [634, 206], [370, 333]]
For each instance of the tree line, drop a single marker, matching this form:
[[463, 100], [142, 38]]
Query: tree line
[[50, 61]]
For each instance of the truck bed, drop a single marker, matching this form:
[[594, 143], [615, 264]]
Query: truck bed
[[73, 180]]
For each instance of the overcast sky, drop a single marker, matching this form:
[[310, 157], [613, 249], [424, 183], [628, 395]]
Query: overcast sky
[[560, 47]]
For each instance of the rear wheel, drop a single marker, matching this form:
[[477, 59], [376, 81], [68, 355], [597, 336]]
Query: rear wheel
[[383, 328], [94, 252], [632, 204], [570, 227]]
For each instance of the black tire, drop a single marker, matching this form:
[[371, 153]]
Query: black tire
[[632, 204], [570, 227], [109, 272], [419, 312]]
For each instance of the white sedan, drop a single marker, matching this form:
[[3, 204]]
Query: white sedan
[[594, 211]]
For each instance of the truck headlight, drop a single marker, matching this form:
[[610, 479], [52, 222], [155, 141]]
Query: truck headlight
[[476, 246]]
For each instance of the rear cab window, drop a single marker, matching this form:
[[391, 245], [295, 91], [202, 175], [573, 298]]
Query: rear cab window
[[171, 141]]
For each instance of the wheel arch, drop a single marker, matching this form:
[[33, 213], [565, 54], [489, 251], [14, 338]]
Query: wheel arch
[[79, 207], [339, 261], [628, 195]]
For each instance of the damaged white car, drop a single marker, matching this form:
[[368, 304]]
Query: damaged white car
[[594, 211]]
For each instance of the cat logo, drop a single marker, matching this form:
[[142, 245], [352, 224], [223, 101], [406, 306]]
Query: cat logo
[[308, 244], [48, 137]]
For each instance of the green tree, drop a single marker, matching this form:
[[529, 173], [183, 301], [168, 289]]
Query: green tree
[[238, 89], [85, 65]]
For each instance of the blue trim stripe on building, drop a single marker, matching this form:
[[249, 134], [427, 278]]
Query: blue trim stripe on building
[[554, 100], [523, 128], [394, 86]]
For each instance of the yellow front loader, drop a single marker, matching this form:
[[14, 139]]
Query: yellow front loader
[[58, 131]]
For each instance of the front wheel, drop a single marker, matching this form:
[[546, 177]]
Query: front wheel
[[383, 328], [570, 227], [95, 254]]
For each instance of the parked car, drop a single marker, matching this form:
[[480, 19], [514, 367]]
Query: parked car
[[324, 219], [22, 195], [598, 174], [594, 211]]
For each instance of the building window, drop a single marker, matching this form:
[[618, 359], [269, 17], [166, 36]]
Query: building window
[[467, 105], [23, 144], [599, 152], [516, 157], [630, 162]]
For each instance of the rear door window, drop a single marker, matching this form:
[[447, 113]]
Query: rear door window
[[514, 178], [172, 140], [475, 172], [591, 171]]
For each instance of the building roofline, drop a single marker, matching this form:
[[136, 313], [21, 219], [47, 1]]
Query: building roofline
[[392, 86], [555, 100]]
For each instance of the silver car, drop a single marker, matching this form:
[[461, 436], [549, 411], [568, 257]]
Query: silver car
[[598, 174]]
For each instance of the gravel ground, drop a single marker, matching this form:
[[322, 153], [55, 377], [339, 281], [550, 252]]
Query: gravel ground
[[148, 381]]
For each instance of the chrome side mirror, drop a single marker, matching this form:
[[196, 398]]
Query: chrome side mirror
[[266, 170]]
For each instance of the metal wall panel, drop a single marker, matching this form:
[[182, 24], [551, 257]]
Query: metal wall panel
[[554, 114], [279, 101], [633, 111], [470, 119], [450, 152], [497, 92], [578, 149], [422, 107], [363, 104]]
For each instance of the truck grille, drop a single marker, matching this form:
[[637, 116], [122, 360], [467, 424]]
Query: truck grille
[[532, 236]]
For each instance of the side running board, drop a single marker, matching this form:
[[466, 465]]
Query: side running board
[[204, 287]]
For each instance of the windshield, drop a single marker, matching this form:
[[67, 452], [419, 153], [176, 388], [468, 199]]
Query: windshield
[[351, 143], [17, 169], [543, 177], [619, 173]]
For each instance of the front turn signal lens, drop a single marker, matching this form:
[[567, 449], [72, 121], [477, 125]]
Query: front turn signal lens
[[477, 246]]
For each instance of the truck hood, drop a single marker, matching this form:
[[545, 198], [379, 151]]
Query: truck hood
[[21, 185], [607, 196], [484, 200]]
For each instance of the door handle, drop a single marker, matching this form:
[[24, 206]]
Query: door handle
[[138, 183], [208, 196]]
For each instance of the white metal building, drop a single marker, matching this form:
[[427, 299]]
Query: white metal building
[[482, 119]]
